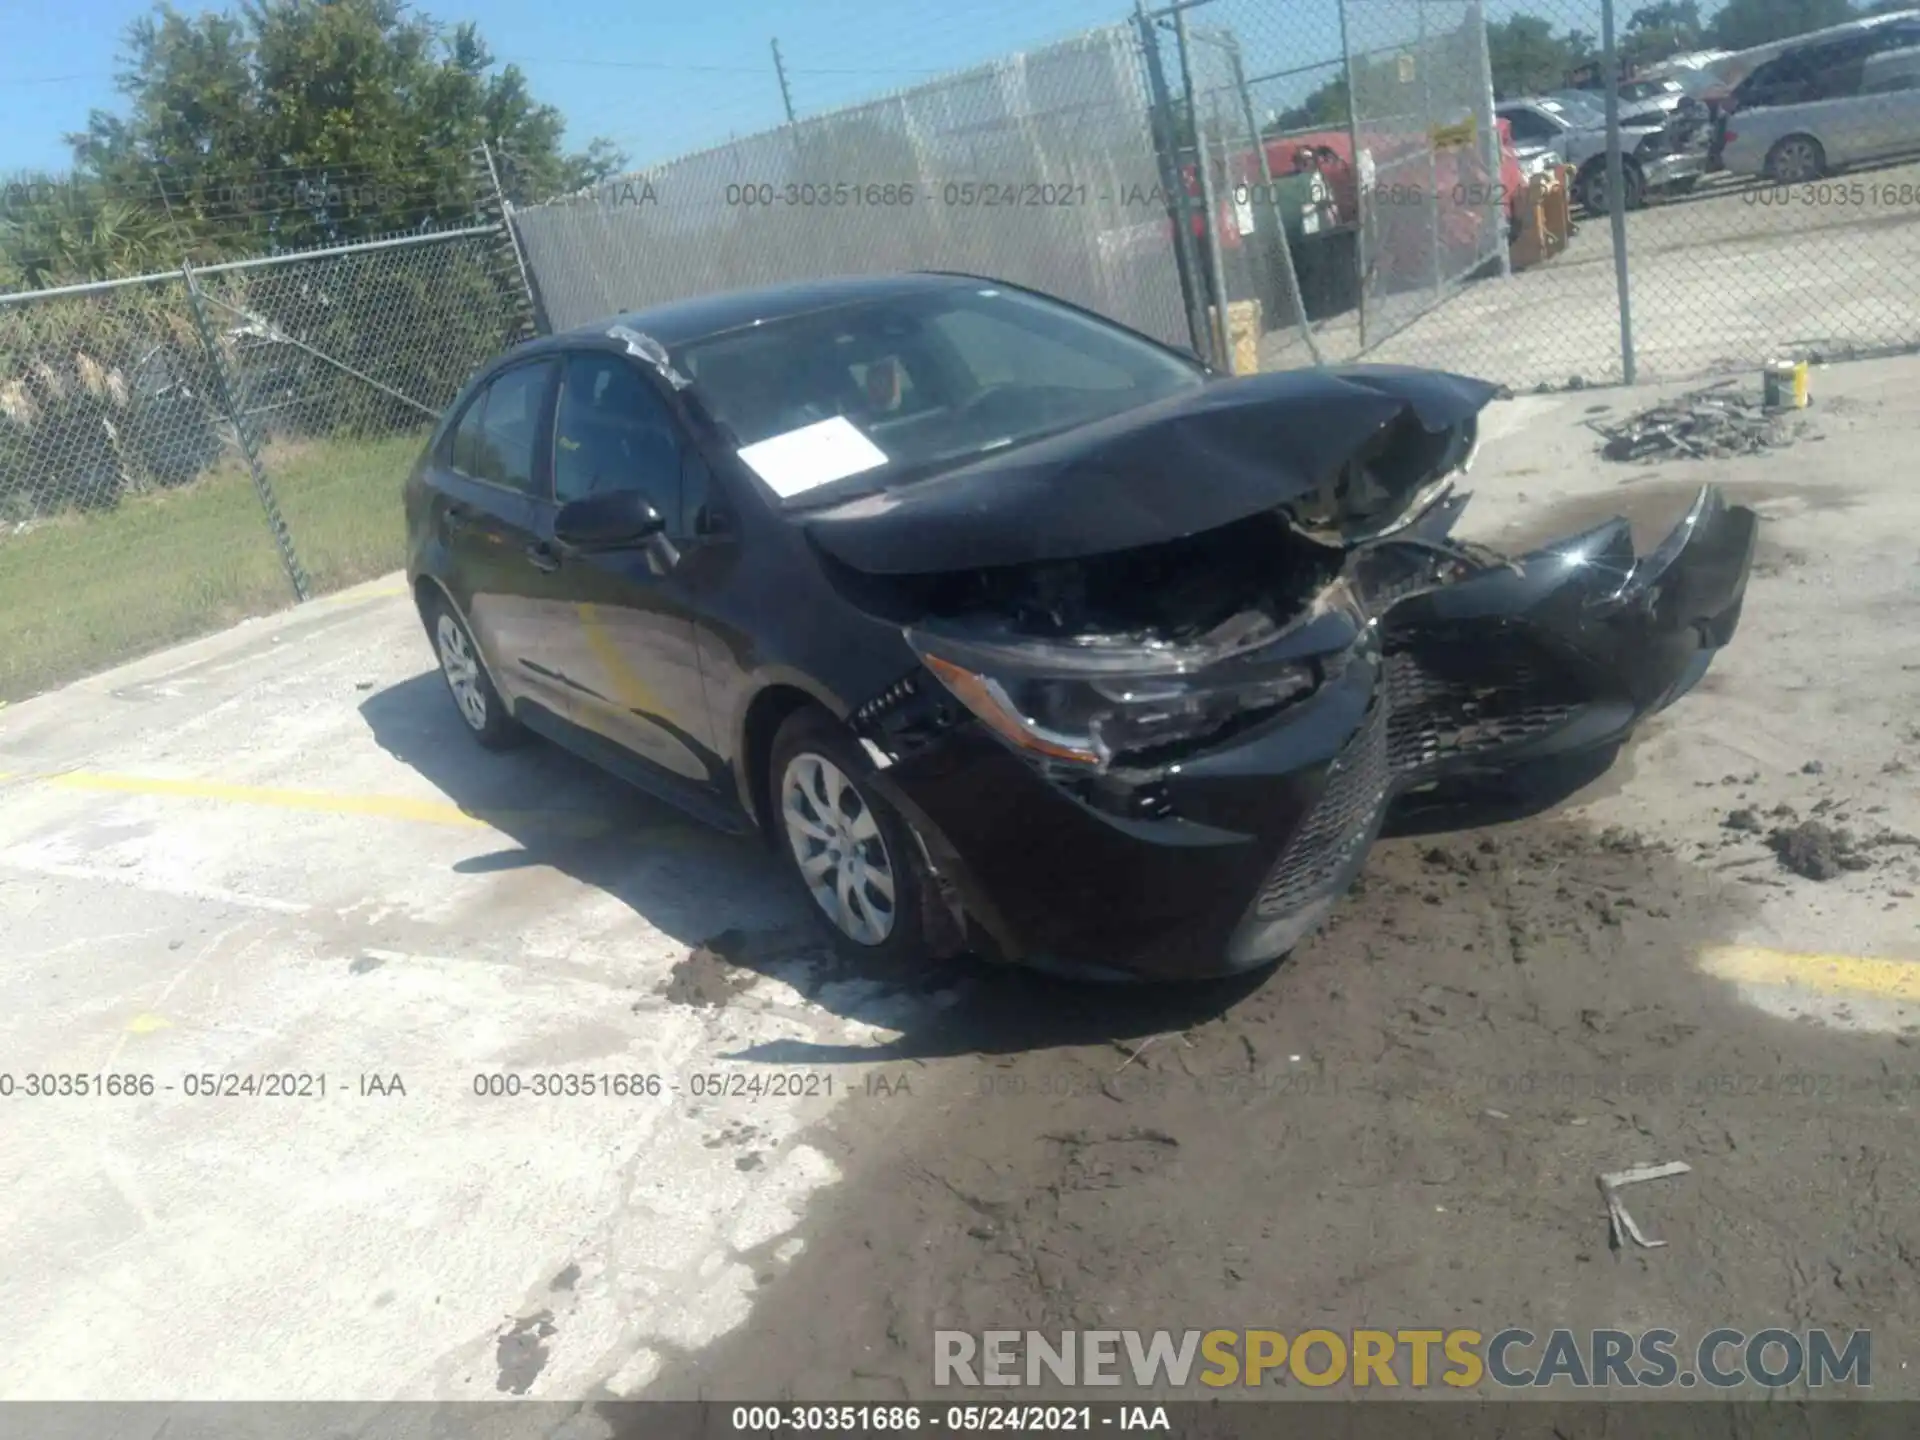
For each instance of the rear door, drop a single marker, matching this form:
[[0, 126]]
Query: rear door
[[492, 483], [1836, 114], [629, 652], [1890, 92]]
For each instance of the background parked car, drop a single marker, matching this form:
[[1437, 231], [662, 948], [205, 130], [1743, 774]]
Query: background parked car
[[1575, 123], [1836, 103], [1719, 81]]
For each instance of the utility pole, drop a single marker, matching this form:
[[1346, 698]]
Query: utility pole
[[780, 69]]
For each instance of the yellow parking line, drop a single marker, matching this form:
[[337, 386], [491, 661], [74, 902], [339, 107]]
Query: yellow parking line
[[576, 824], [386, 807], [383, 593], [1823, 974]]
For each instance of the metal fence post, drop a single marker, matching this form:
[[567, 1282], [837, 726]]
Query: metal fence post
[[1362, 198], [1167, 145], [243, 437], [498, 210], [1291, 275], [1617, 189], [1210, 230], [1491, 146], [1433, 157]]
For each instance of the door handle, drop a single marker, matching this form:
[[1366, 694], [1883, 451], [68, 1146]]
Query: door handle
[[542, 557], [455, 519]]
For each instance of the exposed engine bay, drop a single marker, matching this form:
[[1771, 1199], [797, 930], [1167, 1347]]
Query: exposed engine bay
[[1237, 630], [1205, 596], [1111, 669]]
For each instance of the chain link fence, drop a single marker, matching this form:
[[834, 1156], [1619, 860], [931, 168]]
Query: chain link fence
[[178, 451], [1769, 204], [1039, 169]]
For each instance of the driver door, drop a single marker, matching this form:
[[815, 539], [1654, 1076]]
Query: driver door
[[630, 658]]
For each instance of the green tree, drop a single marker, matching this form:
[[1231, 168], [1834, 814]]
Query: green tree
[[54, 229], [1655, 32], [1324, 107], [1527, 57], [296, 122], [1745, 23]]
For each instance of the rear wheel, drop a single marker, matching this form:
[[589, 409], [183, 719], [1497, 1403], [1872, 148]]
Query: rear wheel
[[479, 704], [1795, 160], [854, 857]]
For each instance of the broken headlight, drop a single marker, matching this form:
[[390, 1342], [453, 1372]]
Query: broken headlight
[[1093, 705]]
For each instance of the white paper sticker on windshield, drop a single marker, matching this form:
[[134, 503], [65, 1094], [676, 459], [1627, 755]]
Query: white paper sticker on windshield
[[812, 456]]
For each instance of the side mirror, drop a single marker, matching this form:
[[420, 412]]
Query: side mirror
[[607, 522]]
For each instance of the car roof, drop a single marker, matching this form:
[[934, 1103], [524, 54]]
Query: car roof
[[683, 322]]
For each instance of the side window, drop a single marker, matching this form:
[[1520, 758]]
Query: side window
[[508, 439], [1529, 128], [997, 352], [1838, 80], [614, 433], [463, 448]]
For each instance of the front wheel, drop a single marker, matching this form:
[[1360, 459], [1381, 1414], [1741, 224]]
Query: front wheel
[[479, 704], [1796, 160], [1593, 187], [852, 854]]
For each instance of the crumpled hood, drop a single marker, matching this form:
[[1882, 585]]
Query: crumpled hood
[[1197, 461]]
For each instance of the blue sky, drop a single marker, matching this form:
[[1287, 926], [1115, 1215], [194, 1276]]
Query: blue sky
[[664, 79], [659, 79]]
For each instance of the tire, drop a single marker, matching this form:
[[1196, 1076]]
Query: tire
[[477, 703], [823, 803], [1592, 183], [1796, 159], [1688, 185]]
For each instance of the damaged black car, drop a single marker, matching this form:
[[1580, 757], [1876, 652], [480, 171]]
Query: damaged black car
[[1013, 630]]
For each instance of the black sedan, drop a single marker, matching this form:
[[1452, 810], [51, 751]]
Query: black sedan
[[1014, 630]]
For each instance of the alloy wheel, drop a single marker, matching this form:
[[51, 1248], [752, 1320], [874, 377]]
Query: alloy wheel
[[462, 669], [837, 843], [1796, 161]]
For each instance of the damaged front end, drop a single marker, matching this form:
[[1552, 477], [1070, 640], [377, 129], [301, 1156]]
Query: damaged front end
[[1226, 716]]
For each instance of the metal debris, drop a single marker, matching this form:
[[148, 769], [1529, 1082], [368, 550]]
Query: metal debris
[[1707, 424], [1617, 1215]]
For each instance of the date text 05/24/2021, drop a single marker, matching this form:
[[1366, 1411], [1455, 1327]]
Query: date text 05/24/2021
[[49, 1085]]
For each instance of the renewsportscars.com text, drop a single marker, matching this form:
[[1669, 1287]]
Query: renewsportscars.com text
[[1511, 1358]]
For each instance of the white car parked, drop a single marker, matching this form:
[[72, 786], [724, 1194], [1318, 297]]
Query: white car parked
[[1818, 107]]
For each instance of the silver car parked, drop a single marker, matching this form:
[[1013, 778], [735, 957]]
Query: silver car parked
[[1819, 107]]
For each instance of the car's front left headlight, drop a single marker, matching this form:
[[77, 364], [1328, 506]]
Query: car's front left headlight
[[1091, 706]]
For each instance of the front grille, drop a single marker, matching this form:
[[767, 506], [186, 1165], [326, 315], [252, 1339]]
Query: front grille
[[1451, 702], [1339, 827]]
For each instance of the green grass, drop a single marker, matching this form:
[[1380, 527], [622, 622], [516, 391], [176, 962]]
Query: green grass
[[81, 593]]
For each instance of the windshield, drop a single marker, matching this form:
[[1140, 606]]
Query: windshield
[[852, 399]]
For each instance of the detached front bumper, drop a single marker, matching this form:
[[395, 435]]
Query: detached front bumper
[[1664, 171], [1229, 859]]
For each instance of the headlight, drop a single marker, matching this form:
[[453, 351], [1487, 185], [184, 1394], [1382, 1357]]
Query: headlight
[[1092, 705]]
